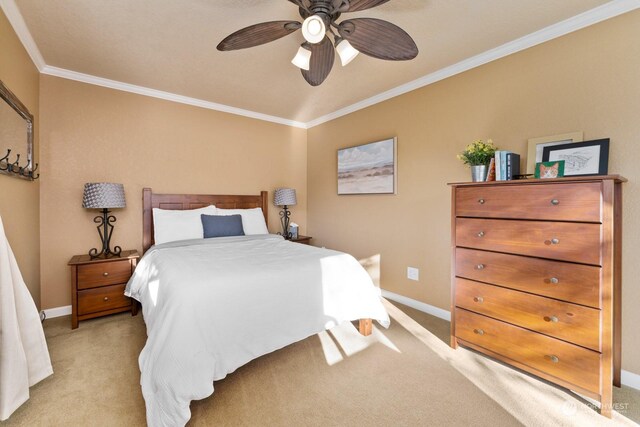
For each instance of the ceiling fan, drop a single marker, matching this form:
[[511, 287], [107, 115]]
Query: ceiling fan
[[374, 37]]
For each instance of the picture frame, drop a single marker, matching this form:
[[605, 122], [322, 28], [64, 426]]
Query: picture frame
[[550, 170], [536, 146], [369, 168], [581, 158]]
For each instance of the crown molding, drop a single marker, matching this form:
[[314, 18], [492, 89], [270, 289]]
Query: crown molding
[[11, 11], [575, 23], [140, 90]]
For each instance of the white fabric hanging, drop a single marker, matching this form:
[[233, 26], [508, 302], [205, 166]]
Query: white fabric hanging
[[24, 357]]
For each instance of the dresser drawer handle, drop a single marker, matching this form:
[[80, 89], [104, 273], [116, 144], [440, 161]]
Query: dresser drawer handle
[[478, 331], [481, 201], [554, 280], [480, 267], [480, 234], [555, 202], [552, 319], [552, 357], [553, 241], [106, 299], [478, 299], [105, 274]]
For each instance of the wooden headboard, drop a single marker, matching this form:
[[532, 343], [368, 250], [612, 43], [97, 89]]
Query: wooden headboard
[[181, 202]]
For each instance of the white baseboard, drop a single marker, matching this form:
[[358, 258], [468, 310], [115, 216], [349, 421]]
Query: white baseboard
[[424, 307], [57, 311], [628, 379]]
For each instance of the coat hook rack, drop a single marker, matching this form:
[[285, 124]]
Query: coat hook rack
[[14, 169]]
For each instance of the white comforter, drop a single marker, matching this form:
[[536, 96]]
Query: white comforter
[[213, 305]]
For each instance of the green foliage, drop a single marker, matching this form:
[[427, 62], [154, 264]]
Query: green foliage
[[478, 153]]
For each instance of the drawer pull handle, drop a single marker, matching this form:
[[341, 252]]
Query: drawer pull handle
[[481, 201], [480, 234], [478, 331], [106, 298], [553, 241], [554, 280], [553, 358], [480, 267], [552, 319], [555, 202], [478, 299], [105, 274]]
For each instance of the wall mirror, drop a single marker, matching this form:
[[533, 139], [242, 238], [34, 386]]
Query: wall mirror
[[16, 137]]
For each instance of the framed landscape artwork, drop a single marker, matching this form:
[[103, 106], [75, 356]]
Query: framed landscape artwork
[[368, 168]]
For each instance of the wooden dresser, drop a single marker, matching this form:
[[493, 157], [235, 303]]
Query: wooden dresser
[[97, 286], [536, 283]]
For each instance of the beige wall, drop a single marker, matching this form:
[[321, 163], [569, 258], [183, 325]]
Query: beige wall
[[587, 81], [90, 134], [19, 199]]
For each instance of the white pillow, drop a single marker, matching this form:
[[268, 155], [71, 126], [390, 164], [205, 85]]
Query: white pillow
[[252, 220], [170, 225]]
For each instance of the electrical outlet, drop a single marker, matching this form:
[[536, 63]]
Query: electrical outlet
[[413, 273]]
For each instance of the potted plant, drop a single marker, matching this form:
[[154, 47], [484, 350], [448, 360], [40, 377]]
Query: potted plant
[[478, 155]]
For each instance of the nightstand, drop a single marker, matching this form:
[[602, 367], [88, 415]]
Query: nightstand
[[97, 286], [305, 240]]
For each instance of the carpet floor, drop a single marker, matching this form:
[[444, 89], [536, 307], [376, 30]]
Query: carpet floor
[[404, 376]]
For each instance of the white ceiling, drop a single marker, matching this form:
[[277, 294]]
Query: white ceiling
[[170, 45]]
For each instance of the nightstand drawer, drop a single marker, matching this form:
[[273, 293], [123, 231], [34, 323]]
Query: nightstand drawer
[[101, 299], [103, 274], [559, 202]]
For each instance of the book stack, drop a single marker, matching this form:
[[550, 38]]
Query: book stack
[[507, 165]]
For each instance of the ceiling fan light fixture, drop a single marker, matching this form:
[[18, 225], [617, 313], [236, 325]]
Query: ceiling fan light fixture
[[346, 51], [302, 59], [313, 29]]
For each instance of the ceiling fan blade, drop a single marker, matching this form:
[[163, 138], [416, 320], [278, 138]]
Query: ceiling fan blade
[[379, 39], [322, 58], [258, 34], [356, 5]]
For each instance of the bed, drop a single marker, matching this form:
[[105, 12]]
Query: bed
[[213, 305]]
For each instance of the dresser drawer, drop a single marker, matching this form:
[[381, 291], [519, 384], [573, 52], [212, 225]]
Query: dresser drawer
[[578, 242], [569, 322], [562, 360], [101, 299], [559, 202], [575, 283], [103, 274]]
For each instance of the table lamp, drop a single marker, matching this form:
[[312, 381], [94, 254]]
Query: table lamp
[[105, 196], [285, 197]]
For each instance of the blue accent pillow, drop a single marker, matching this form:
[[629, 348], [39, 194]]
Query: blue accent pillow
[[221, 226]]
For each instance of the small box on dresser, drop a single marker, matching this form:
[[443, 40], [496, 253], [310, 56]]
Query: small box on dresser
[[536, 277], [97, 286]]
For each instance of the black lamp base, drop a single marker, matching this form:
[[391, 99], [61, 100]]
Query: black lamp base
[[284, 220], [105, 229]]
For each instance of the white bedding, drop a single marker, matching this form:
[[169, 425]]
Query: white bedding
[[213, 305]]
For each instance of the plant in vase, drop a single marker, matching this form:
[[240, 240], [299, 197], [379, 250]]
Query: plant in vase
[[478, 155]]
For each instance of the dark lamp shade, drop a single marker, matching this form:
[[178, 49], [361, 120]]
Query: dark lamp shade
[[103, 195], [285, 197]]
